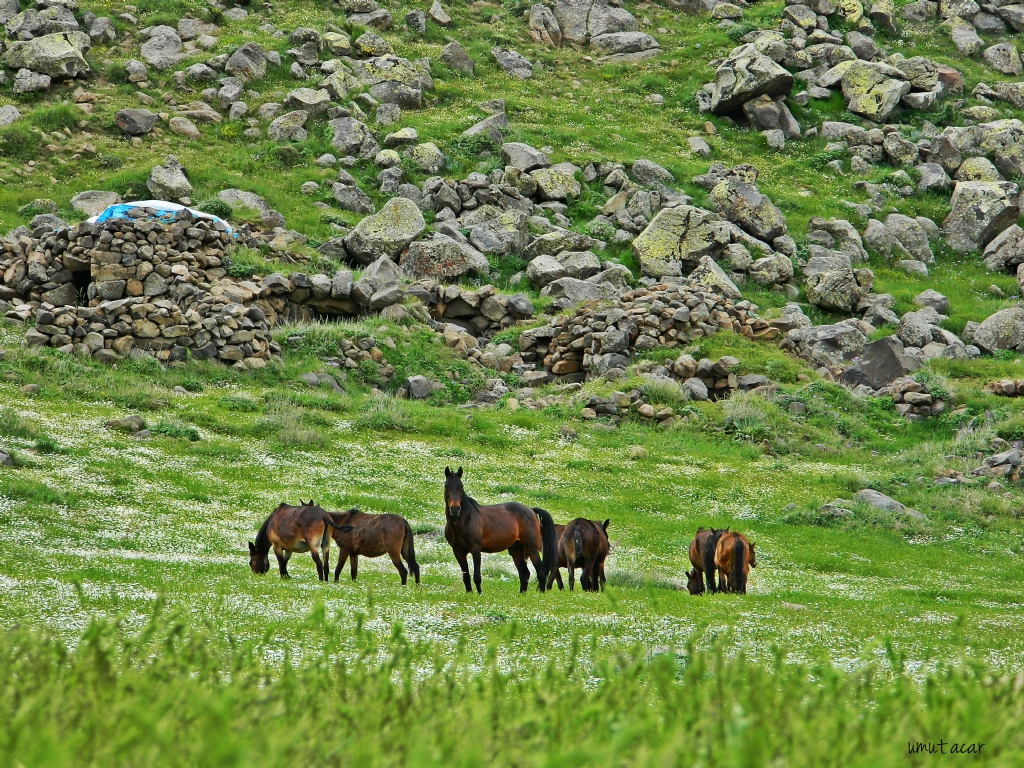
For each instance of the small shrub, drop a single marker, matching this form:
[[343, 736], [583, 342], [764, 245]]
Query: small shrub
[[176, 430], [216, 207], [288, 157], [367, 373], [382, 413], [661, 391], [110, 162], [192, 385], [56, 118], [46, 444], [19, 142], [13, 425], [239, 403]]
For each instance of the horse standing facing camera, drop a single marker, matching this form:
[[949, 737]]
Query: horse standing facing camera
[[472, 529], [306, 528]]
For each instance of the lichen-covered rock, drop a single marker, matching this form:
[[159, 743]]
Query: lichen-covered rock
[[512, 62], [454, 56], [386, 233], [543, 26], [979, 210], [743, 205], [439, 257], [58, 55], [248, 63], [289, 127], [682, 234], [1005, 251], [709, 275], [555, 185], [163, 49], [349, 135], [427, 157], [1001, 330], [771, 270], [523, 156], [744, 75], [168, 182], [873, 90], [833, 284]]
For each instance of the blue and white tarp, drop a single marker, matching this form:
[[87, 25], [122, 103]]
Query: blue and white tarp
[[164, 211]]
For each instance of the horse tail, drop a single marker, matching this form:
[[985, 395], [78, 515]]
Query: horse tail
[[335, 526], [739, 557], [549, 546], [409, 551]]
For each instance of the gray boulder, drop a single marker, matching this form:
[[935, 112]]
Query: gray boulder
[[979, 210], [163, 49], [168, 182], [58, 55], [94, 202], [349, 135], [512, 62], [881, 363], [439, 257], [135, 122], [27, 81], [386, 233], [523, 156], [1002, 330], [743, 205], [248, 63], [289, 127], [454, 57], [745, 74], [543, 26]]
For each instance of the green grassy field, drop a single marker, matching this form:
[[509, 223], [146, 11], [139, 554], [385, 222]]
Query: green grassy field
[[135, 634]]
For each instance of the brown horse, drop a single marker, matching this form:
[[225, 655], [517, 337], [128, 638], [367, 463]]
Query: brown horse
[[373, 536], [695, 582], [556, 572], [305, 528], [735, 556], [584, 544], [702, 557], [471, 529]]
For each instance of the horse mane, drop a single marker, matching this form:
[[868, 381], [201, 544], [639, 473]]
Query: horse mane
[[348, 514], [262, 538], [469, 501]]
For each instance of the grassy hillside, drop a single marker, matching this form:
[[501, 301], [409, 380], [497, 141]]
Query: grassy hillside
[[135, 634]]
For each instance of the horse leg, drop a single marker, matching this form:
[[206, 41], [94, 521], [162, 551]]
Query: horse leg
[[282, 561], [321, 572], [464, 565], [558, 578], [396, 558], [476, 570], [354, 568], [342, 557], [572, 576], [516, 550], [541, 583]]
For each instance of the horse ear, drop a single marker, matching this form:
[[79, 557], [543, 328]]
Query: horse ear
[[447, 472], [459, 473], [605, 525], [252, 548]]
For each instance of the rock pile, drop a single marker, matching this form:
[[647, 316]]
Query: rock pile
[[208, 329], [914, 400], [1006, 387], [1004, 465], [595, 341]]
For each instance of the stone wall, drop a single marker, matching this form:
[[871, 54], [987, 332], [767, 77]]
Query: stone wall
[[594, 341], [209, 328]]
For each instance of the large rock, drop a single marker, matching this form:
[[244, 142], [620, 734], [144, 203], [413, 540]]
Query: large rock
[[555, 185], [33, 23], [135, 122], [513, 63], [830, 344], [911, 236], [709, 275], [394, 80], [543, 26], [1001, 330], [439, 257], [545, 269], [572, 17], [743, 205], [979, 210], [881, 363], [59, 55], [873, 90], [8, 10], [314, 102], [163, 49], [386, 233], [248, 63], [9, 115], [495, 231], [744, 75], [94, 202], [834, 285], [615, 43], [349, 135], [523, 156], [168, 182], [289, 127], [454, 56], [1003, 57], [1005, 251], [239, 199], [678, 237]]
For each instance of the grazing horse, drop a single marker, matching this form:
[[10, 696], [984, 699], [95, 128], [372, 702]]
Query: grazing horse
[[702, 556], [695, 582], [584, 544], [735, 556], [305, 528], [373, 536], [471, 529]]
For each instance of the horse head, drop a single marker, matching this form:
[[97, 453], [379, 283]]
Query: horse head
[[453, 492], [259, 563], [694, 582], [753, 556]]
